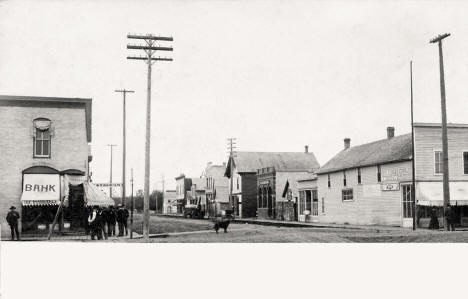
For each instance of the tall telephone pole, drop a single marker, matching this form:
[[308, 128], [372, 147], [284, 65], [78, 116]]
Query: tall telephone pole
[[163, 189], [150, 49], [110, 179], [132, 207], [445, 160], [231, 150], [124, 145], [413, 168]]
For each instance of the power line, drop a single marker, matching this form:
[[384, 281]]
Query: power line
[[446, 188], [110, 179], [150, 49], [232, 153], [124, 92]]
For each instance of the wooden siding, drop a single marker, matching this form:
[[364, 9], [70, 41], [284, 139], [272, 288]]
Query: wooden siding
[[429, 139], [370, 205]]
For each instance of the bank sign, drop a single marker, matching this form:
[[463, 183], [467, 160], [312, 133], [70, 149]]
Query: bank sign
[[41, 187]]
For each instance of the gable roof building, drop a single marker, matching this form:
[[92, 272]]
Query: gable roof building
[[250, 162], [250, 168], [394, 149]]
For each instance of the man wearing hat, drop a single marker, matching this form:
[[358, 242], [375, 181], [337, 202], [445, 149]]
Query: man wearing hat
[[12, 219], [120, 219]]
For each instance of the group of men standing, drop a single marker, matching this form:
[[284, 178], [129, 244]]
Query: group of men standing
[[102, 222]]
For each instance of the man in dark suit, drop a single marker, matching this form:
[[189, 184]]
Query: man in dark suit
[[12, 219], [120, 220]]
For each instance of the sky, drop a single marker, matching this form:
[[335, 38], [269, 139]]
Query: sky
[[275, 75]]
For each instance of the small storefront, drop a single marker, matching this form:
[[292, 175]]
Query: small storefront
[[45, 189], [430, 196], [308, 205]]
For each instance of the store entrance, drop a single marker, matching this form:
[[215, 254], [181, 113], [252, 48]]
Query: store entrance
[[75, 215]]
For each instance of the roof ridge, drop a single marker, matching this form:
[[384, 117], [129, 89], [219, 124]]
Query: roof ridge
[[380, 140]]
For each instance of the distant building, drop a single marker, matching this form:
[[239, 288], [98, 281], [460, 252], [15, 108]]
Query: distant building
[[371, 183], [196, 195], [183, 185], [303, 192], [258, 180], [216, 189], [170, 202]]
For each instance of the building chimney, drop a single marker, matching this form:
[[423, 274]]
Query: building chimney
[[306, 149], [347, 143], [390, 132]]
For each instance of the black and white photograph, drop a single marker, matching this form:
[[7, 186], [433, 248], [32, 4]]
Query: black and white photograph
[[153, 124]]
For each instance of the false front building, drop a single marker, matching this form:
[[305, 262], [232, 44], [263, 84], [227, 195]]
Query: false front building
[[372, 183], [216, 188]]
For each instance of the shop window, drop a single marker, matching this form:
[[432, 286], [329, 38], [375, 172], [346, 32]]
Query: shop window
[[407, 201], [438, 162], [359, 175], [379, 173], [301, 202], [308, 201], [305, 201], [347, 195], [465, 162], [42, 138], [315, 208]]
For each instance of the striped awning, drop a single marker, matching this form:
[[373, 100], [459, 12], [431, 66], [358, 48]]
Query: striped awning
[[95, 197]]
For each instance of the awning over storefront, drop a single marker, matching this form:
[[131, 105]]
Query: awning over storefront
[[431, 193], [40, 189], [95, 197]]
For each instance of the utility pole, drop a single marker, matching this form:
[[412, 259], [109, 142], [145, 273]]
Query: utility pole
[[163, 189], [150, 49], [231, 149], [124, 145], [445, 161], [110, 179], [132, 207], [413, 179]]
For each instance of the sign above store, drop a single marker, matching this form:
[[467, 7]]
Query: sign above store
[[390, 187], [41, 189], [108, 185]]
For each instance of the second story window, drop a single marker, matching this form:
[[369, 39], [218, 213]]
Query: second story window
[[379, 173], [42, 138], [344, 178], [438, 162], [329, 183], [359, 175], [237, 183], [465, 162]]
